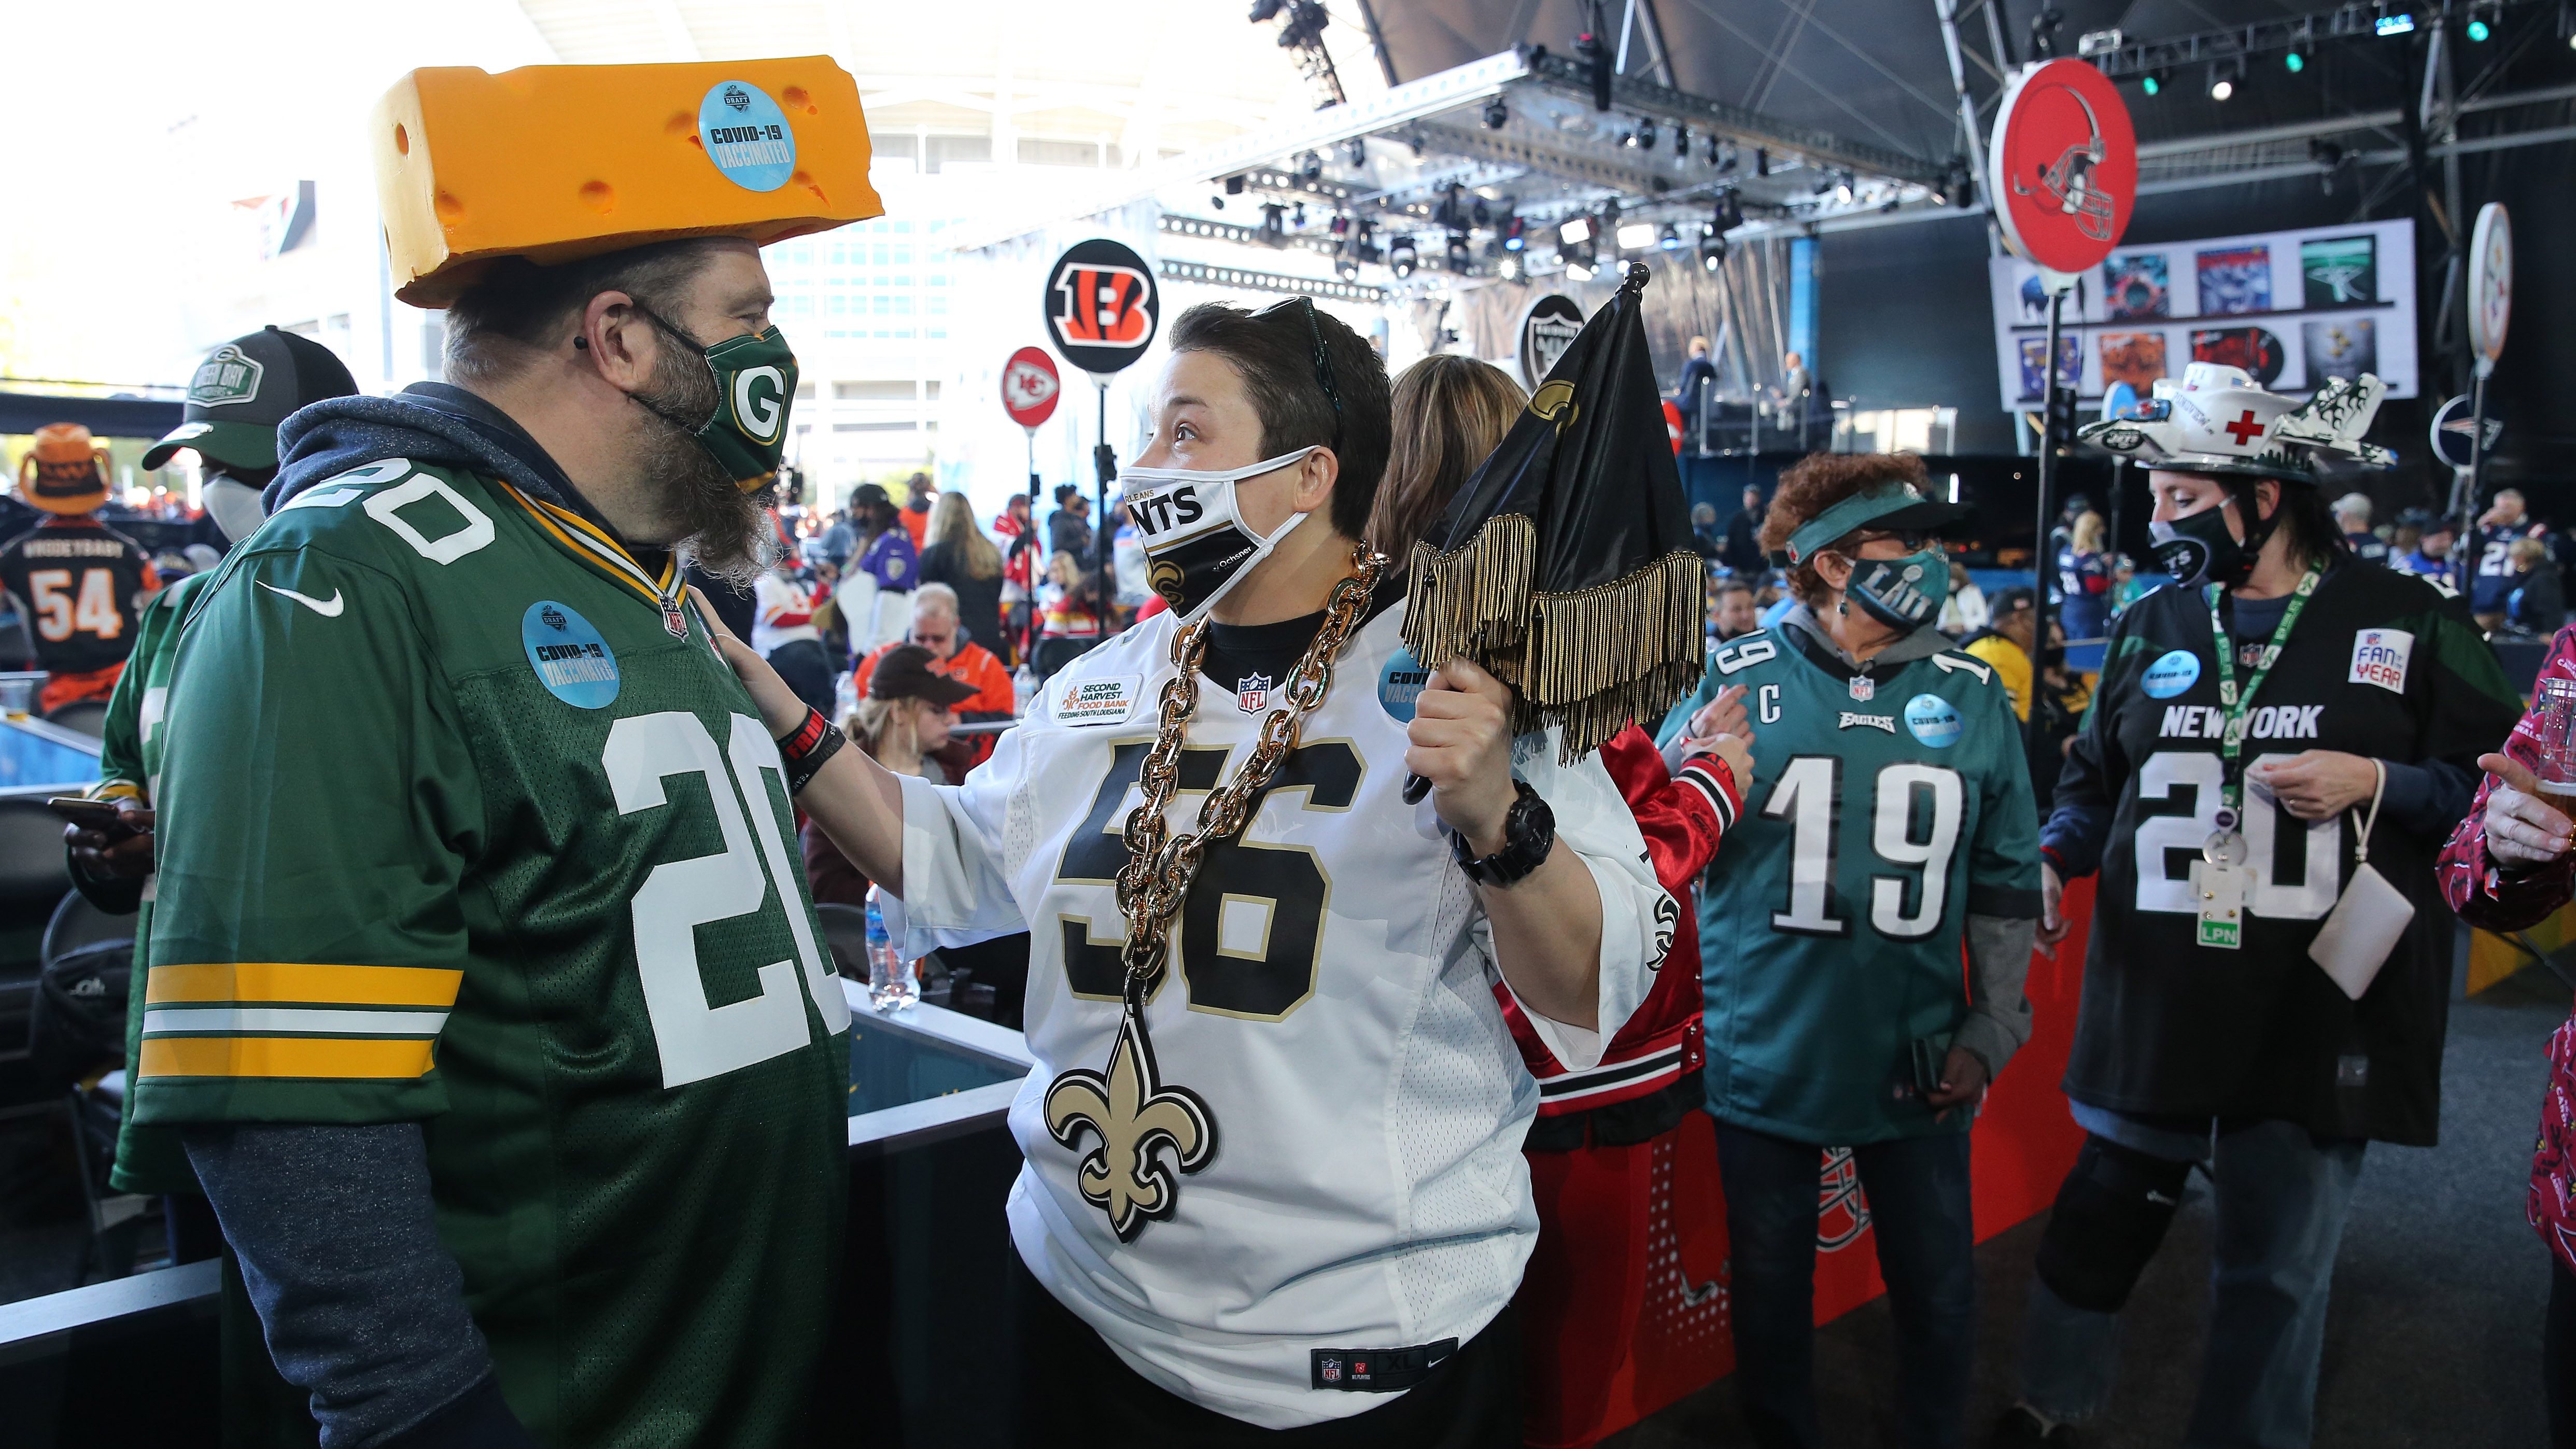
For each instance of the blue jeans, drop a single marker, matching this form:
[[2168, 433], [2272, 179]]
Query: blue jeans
[[2281, 1199], [1919, 1208]]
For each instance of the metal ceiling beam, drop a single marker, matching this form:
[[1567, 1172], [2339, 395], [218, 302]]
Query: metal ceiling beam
[[1565, 75], [2296, 130]]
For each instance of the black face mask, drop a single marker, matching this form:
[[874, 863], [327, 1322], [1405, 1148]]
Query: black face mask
[[2197, 548]]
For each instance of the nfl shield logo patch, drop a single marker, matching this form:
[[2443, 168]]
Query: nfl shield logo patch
[[1863, 687], [1332, 1370], [1252, 693]]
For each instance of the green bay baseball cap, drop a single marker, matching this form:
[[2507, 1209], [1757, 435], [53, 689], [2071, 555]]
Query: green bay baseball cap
[[244, 389]]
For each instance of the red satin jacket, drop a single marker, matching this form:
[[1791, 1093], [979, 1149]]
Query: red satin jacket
[[1649, 1076]]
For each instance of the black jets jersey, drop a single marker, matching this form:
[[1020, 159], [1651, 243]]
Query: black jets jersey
[[2380, 664]]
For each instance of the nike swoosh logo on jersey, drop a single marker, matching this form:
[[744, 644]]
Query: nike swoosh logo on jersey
[[328, 609]]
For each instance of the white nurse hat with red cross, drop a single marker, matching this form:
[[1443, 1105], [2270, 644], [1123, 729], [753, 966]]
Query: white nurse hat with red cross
[[2216, 420]]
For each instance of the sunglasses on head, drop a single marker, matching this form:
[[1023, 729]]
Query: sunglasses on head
[[1323, 358]]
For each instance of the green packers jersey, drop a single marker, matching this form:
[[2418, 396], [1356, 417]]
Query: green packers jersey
[[148, 1159], [460, 825], [1884, 809]]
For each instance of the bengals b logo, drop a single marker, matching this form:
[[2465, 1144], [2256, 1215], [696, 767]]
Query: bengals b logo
[[1102, 305]]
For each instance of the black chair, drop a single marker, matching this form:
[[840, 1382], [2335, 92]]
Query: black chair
[[88, 716], [33, 878], [845, 935], [76, 925]]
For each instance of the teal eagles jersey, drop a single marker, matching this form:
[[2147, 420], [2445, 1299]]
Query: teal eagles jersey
[[129, 766], [1884, 809], [459, 827]]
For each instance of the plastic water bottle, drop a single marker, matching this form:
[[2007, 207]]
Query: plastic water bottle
[[1024, 687], [891, 983]]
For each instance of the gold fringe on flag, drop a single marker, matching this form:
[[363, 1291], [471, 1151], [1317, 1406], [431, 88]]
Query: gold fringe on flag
[[1474, 596], [1590, 661]]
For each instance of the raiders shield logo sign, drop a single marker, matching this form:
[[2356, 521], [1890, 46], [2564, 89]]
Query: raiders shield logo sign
[[1252, 693]]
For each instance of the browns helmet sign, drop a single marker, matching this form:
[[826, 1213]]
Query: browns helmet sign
[[1102, 307]]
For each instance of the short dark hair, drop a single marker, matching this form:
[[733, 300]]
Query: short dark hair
[[1274, 351], [1734, 584], [517, 306]]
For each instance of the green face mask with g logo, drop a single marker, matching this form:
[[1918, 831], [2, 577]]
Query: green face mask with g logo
[[755, 378], [755, 386]]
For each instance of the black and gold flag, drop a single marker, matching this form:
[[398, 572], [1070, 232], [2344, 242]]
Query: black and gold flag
[[1565, 565]]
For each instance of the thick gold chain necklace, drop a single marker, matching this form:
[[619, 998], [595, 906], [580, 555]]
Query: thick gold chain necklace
[[1129, 1108]]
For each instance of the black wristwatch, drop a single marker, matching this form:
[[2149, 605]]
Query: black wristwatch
[[1529, 833]]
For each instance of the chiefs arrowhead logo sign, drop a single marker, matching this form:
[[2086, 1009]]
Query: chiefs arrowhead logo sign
[[1102, 307], [1030, 387]]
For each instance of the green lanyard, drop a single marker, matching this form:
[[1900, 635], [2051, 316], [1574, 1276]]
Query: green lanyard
[[2238, 703]]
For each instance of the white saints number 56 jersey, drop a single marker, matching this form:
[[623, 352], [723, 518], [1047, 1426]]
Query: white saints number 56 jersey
[[1330, 1001]]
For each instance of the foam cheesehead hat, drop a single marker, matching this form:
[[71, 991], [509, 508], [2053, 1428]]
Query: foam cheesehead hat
[[2215, 420], [555, 163], [66, 470], [243, 390]]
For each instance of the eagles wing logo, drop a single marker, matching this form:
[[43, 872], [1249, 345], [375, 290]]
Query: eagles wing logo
[[1135, 1117]]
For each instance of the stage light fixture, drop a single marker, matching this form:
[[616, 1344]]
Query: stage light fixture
[[2153, 82], [1712, 249], [2483, 20], [2401, 23], [2294, 61], [1355, 151], [1761, 161], [2223, 75], [1730, 212], [1460, 257], [1636, 236], [1514, 234], [1645, 133], [1401, 257], [1578, 269], [1346, 267], [1681, 140], [1671, 240], [1575, 231], [1509, 268], [1497, 115]]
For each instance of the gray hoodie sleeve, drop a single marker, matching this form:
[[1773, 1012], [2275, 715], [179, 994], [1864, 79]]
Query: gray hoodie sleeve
[[360, 1302], [1998, 1019]]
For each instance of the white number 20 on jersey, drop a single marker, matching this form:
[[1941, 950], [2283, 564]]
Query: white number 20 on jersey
[[698, 1041]]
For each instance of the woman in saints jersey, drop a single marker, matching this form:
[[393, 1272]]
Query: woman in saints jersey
[[1888, 827], [2258, 1001]]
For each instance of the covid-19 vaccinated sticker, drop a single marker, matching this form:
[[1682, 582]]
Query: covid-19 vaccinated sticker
[[1399, 685], [2170, 675], [1934, 721], [571, 660], [747, 136]]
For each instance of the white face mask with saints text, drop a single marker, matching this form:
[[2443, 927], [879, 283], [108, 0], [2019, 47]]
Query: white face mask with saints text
[[1197, 543]]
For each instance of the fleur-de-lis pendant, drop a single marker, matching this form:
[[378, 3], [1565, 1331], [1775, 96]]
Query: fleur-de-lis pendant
[[1138, 1120]]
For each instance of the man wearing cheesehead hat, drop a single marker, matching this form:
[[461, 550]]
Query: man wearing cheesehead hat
[[485, 992], [80, 584], [2257, 1002]]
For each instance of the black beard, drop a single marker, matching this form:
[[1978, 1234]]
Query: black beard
[[724, 530]]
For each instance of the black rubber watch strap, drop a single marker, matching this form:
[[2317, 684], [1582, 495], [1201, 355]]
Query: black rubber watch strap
[[1529, 834]]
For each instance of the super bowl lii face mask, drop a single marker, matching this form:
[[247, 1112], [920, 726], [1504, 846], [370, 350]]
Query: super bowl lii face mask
[[1902, 593], [1197, 543], [755, 377]]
